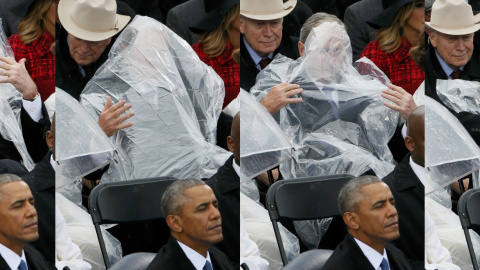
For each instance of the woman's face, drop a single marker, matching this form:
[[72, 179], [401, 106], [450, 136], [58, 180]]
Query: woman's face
[[235, 26], [417, 19], [50, 17]]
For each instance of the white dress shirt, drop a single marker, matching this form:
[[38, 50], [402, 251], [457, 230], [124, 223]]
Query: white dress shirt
[[195, 258], [34, 108], [255, 57], [12, 258], [372, 255], [418, 170], [448, 70]]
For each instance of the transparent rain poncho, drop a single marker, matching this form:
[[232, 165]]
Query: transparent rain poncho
[[81, 146], [460, 95], [342, 125], [10, 108], [454, 153], [176, 99]]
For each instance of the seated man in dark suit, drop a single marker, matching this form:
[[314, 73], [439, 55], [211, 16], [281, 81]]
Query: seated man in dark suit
[[226, 186], [18, 226], [406, 184], [191, 211], [368, 209]]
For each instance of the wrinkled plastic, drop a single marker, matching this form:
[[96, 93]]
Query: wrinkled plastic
[[10, 108], [460, 95], [81, 146], [263, 145], [82, 232], [260, 230], [176, 99], [451, 234], [454, 153]]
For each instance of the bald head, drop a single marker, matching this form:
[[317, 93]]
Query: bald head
[[415, 140]]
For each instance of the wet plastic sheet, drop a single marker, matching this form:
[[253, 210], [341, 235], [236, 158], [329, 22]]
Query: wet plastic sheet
[[342, 112], [81, 146], [263, 145], [454, 153], [10, 107], [460, 95], [176, 99]]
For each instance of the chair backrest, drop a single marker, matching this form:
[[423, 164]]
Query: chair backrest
[[469, 214], [134, 261], [126, 201], [304, 199], [310, 260]]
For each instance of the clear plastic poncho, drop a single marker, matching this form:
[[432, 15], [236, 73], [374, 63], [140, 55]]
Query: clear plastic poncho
[[460, 95], [10, 108], [342, 125], [454, 153], [81, 146], [176, 99]]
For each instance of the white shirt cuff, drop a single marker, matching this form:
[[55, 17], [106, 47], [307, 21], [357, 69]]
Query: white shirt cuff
[[34, 108]]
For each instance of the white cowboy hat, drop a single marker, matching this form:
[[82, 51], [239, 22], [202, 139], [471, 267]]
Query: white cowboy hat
[[265, 10], [453, 17], [92, 20]]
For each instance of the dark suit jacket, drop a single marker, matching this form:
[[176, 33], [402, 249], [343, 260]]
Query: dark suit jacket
[[409, 194], [181, 17], [41, 181], [471, 72], [171, 256], [226, 186], [35, 260], [358, 30], [33, 136], [348, 255], [249, 71]]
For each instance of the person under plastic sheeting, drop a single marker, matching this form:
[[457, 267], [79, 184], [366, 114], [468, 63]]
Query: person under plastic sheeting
[[175, 97]]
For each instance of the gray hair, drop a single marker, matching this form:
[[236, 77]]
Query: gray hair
[[315, 20], [8, 178], [174, 196], [351, 194]]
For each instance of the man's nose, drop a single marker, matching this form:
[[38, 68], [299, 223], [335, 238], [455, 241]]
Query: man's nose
[[268, 30], [392, 210], [31, 211], [215, 213], [459, 45], [84, 46]]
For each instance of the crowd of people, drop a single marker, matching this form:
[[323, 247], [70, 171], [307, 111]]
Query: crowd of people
[[158, 89]]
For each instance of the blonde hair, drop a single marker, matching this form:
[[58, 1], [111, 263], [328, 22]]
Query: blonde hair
[[214, 42], [390, 38], [31, 27]]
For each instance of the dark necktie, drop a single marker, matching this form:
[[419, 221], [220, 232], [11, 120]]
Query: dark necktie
[[264, 62], [384, 265], [22, 266], [207, 266], [456, 74]]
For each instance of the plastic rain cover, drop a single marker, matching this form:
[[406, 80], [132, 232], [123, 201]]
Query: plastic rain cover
[[342, 125], [176, 99], [10, 107], [81, 145], [454, 153], [460, 95], [263, 145]]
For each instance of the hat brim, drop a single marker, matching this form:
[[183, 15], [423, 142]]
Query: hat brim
[[456, 31], [288, 7], [64, 10]]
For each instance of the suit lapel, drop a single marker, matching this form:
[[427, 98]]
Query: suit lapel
[[409, 179]]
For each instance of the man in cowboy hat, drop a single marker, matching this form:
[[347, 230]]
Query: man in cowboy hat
[[261, 39], [451, 53]]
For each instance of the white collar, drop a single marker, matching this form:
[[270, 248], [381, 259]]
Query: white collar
[[418, 170], [195, 258], [52, 162], [12, 258], [447, 69], [372, 255], [255, 57], [236, 167]]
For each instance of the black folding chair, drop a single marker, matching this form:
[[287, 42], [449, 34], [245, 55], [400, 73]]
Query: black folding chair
[[124, 202], [303, 199], [469, 213], [309, 260]]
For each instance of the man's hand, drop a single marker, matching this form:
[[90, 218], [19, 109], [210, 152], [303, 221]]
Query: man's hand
[[403, 101], [264, 177], [280, 96], [112, 117], [456, 187], [16, 74]]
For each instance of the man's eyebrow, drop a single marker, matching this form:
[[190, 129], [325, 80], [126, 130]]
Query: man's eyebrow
[[18, 202], [380, 202], [202, 205]]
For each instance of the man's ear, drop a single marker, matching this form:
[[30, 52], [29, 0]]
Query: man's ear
[[49, 138], [351, 219], [242, 30], [301, 48], [433, 38], [409, 144], [175, 223], [230, 144]]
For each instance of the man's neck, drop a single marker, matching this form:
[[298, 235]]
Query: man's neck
[[376, 245], [199, 248]]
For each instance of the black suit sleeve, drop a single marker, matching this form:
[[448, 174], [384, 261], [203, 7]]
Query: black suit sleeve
[[33, 134]]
